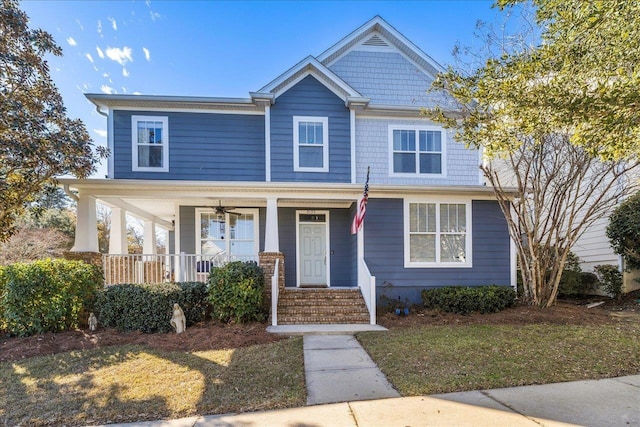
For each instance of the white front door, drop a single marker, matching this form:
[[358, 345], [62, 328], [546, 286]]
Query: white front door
[[313, 248]]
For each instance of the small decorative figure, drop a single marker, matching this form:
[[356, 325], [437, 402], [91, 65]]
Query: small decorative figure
[[93, 322], [178, 321]]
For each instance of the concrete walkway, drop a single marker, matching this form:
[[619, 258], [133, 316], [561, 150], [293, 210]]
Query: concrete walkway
[[337, 369], [611, 402]]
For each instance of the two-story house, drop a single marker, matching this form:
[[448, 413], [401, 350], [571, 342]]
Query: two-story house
[[278, 176]]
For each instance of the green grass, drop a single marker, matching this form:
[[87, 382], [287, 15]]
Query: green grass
[[439, 359], [133, 383]]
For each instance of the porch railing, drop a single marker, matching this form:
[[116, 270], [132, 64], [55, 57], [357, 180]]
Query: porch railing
[[274, 293], [367, 285], [158, 268]]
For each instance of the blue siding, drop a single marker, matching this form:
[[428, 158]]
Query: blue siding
[[187, 229], [202, 146], [384, 251], [342, 260], [310, 98]]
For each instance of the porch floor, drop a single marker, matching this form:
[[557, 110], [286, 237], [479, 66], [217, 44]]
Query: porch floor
[[324, 329]]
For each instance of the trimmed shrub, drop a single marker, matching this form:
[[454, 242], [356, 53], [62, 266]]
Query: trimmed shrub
[[149, 307], [466, 300], [47, 295], [623, 231], [236, 292], [610, 279]]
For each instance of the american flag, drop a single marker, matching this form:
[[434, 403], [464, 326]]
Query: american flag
[[362, 208]]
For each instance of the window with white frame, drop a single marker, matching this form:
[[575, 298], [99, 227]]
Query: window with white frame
[[150, 143], [416, 150], [437, 234], [310, 144], [228, 237]]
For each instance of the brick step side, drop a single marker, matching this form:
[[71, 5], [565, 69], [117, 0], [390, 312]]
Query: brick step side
[[321, 301]]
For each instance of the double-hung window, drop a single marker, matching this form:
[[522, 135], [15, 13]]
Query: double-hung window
[[437, 234], [150, 143], [310, 144], [416, 150]]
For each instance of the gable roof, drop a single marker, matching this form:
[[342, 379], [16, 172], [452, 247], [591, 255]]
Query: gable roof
[[364, 35], [311, 66]]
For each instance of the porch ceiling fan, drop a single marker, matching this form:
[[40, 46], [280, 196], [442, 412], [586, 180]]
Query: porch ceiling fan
[[221, 210]]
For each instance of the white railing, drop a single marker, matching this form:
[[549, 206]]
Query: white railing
[[158, 268], [367, 285], [274, 293]]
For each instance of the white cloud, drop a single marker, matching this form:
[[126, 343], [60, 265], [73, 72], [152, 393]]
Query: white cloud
[[124, 89], [100, 28], [100, 52], [101, 132], [125, 72], [121, 56], [105, 75], [80, 25], [89, 57], [137, 93], [107, 89], [147, 54], [72, 42], [113, 23], [154, 15]]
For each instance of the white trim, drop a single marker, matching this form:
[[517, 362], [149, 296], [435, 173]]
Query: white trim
[[513, 258], [296, 143], [468, 234], [320, 71], [110, 145], [378, 25], [256, 229], [267, 143], [327, 243], [316, 76], [134, 143], [417, 129], [191, 110], [352, 124]]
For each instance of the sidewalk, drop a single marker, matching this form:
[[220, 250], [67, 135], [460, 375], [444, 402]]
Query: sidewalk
[[608, 403]]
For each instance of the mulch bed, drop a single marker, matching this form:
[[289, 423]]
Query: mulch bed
[[213, 335]]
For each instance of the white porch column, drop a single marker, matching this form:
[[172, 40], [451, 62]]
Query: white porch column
[[149, 240], [271, 241], [118, 244], [86, 225]]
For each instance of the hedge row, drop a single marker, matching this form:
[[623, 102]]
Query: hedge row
[[46, 296], [466, 300], [149, 307]]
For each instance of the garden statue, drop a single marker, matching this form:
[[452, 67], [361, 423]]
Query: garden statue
[[93, 322], [178, 321]]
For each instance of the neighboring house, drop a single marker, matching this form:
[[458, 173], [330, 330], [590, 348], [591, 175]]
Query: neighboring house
[[278, 176]]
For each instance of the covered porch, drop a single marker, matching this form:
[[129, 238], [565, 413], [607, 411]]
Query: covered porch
[[210, 224]]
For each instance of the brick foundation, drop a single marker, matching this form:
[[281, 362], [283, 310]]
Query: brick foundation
[[268, 262], [94, 258]]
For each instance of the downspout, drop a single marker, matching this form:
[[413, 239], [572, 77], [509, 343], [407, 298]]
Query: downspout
[[69, 193], [99, 111]]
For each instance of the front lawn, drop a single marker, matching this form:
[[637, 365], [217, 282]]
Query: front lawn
[[135, 383], [431, 359]]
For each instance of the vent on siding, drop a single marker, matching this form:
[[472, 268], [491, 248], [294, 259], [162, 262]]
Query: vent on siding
[[375, 40]]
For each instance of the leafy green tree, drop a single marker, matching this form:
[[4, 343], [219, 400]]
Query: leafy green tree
[[37, 140], [537, 111]]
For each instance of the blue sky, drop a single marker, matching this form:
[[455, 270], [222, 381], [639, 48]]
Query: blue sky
[[219, 48]]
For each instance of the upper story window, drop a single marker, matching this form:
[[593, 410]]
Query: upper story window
[[150, 143], [310, 144], [437, 233], [416, 150]]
